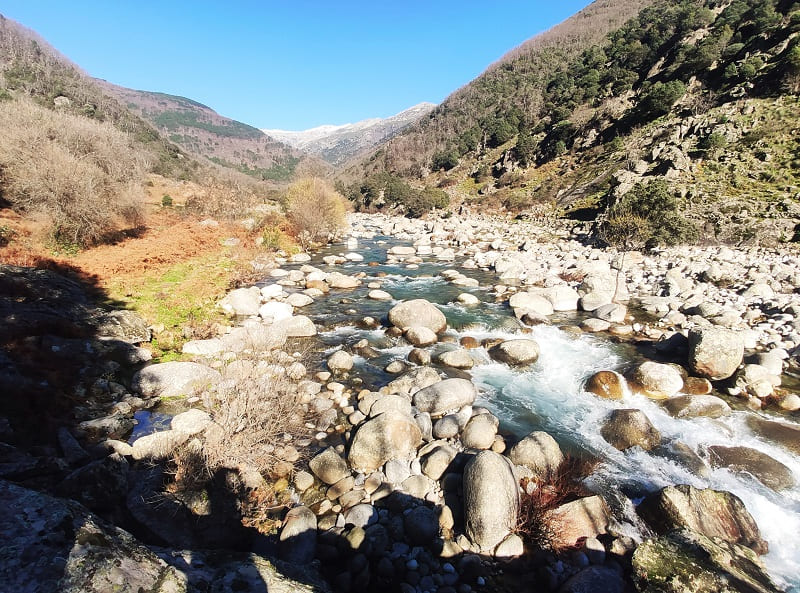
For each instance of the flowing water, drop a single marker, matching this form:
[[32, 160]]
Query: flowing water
[[550, 396]]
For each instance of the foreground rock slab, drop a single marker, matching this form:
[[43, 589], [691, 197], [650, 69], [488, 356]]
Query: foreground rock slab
[[491, 499]]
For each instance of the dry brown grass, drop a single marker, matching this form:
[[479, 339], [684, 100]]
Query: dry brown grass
[[84, 177], [541, 496]]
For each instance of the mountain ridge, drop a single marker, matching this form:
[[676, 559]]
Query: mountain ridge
[[337, 144]]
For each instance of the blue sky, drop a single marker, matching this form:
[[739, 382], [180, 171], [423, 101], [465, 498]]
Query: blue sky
[[290, 65]]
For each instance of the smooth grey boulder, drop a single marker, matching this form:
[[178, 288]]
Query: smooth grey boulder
[[340, 362], [630, 428], [171, 379], [712, 513], [420, 336], [158, 445], [539, 452], [441, 397], [612, 312], [595, 579], [297, 326], [480, 431], [530, 303], [715, 353], [191, 422], [491, 499], [391, 435], [519, 352], [242, 301], [457, 359], [418, 312], [607, 384]]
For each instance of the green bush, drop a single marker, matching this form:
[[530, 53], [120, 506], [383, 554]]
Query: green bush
[[446, 159], [166, 200], [660, 98]]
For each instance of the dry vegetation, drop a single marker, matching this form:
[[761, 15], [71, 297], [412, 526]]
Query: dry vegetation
[[84, 177], [316, 210]]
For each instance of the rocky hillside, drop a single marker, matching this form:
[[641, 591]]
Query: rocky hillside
[[203, 132], [700, 94], [339, 144]]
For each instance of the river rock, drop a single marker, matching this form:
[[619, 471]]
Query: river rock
[[57, 545], [127, 326], [697, 386], [361, 515], [242, 301], [172, 379], [613, 313], [418, 312], [297, 326], [656, 380], [340, 362], [391, 435], [329, 466], [594, 579], [446, 427], [712, 513], [480, 431], [413, 381], [379, 295], [630, 428], [525, 302], [435, 462], [516, 352], [419, 356], [391, 401], [298, 300], [420, 336], [159, 445], [540, 453], [715, 353], [577, 520], [339, 280], [562, 297], [594, 325], [275, 311], [458, 359], [298, 539], [467, 299], [203, 347], [692, 406], [607, 384], [685, 561], [768, 471], [98, 485], [443, 396], [784, 433], [491, 499]]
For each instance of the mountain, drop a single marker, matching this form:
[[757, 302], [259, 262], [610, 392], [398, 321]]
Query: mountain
[[690, 103], [202, 132], [339, 144]]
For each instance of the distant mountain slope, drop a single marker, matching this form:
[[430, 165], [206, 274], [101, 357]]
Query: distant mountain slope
[[508, 92], [203, 132], [339, 144]]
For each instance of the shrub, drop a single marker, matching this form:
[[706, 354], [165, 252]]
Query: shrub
[[446, 160], [316, 210], [660, 98], [85, 177], [166, 200]]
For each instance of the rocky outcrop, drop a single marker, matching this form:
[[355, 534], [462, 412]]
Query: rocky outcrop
[[709, 512]]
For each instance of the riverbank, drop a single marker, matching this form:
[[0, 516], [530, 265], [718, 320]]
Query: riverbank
[[402, 413]]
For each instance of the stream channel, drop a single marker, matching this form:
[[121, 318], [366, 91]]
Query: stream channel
[[549, 395]]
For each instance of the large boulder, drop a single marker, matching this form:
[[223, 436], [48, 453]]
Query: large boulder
[[712, 513], [530, 303], [770, 472], [516, 352], [127, 326], [298, 538], [297, 326], [340, 361], [607, 384], [391, 435], [656, 380], [420, 336], [171, 379], [339, 280], [540, 453], [715, 353], [441, 397], [685, 561], [51, 544], [457, 359], [480, 431], [784, 433], [242, 301], [630, 428], [491, 499], [418, 312]]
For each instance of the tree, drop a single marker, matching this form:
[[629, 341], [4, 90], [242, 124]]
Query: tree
[[660, 98], [316, 210]]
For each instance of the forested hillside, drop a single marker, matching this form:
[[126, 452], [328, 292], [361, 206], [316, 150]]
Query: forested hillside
[[700, 95]]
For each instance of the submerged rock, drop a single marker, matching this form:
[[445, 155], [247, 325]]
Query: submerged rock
[[692, 406], [515, 352], [770, 472], [685, 561], [607, 384]]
